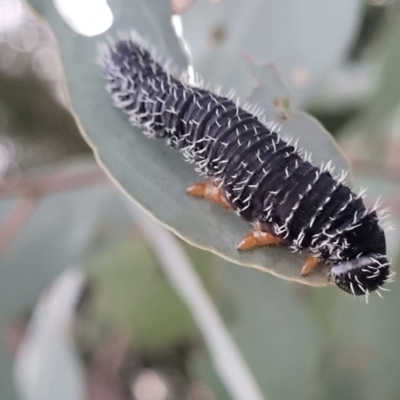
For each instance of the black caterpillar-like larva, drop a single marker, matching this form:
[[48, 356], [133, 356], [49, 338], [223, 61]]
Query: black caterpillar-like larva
[[264, 178]]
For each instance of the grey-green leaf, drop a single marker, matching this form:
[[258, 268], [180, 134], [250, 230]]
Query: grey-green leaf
[[47, 365], [152, 174], [63, 230], [135, 297], [265, 312], [380, 116], [303, 39], [271, 95]]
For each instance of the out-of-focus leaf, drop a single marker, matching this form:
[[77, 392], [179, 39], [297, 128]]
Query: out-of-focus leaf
[[34, 113], [47, 365], [361, 359], [276, 334], [7, 388], [386, 98], [379, 117], [133, 295], [64, 229], [152, 174], [205, 372], [271, 95], [6, 206], [302, 39], [348, 89]]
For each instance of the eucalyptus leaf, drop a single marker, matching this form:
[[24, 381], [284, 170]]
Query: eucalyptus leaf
[[7, 389], [386, 99], [152, 174], [134, 296], [380, 116], [274, 331], [47, 365], [6, 207], [304, 40], [65, 228], [361, 357], [272, 96]]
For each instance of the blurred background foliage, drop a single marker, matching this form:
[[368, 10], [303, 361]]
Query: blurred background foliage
[[133, 336]]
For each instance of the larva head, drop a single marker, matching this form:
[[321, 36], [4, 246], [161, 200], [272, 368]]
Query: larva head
[[361, 275], [363, 267]]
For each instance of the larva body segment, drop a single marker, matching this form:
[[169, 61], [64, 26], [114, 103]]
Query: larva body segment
[[265, 180]]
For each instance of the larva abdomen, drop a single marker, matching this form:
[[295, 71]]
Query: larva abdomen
[[265, 180]]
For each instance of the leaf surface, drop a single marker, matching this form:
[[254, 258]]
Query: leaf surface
[[156, 176]]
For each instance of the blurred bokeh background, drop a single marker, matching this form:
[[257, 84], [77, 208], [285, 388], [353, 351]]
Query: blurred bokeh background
[[87, 312]]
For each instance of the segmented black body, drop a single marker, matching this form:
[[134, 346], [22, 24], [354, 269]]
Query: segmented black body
[[265, 179]]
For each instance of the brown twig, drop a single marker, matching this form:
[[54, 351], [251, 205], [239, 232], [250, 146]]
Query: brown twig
[[31, 189], [51, 182], [16, 220]]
